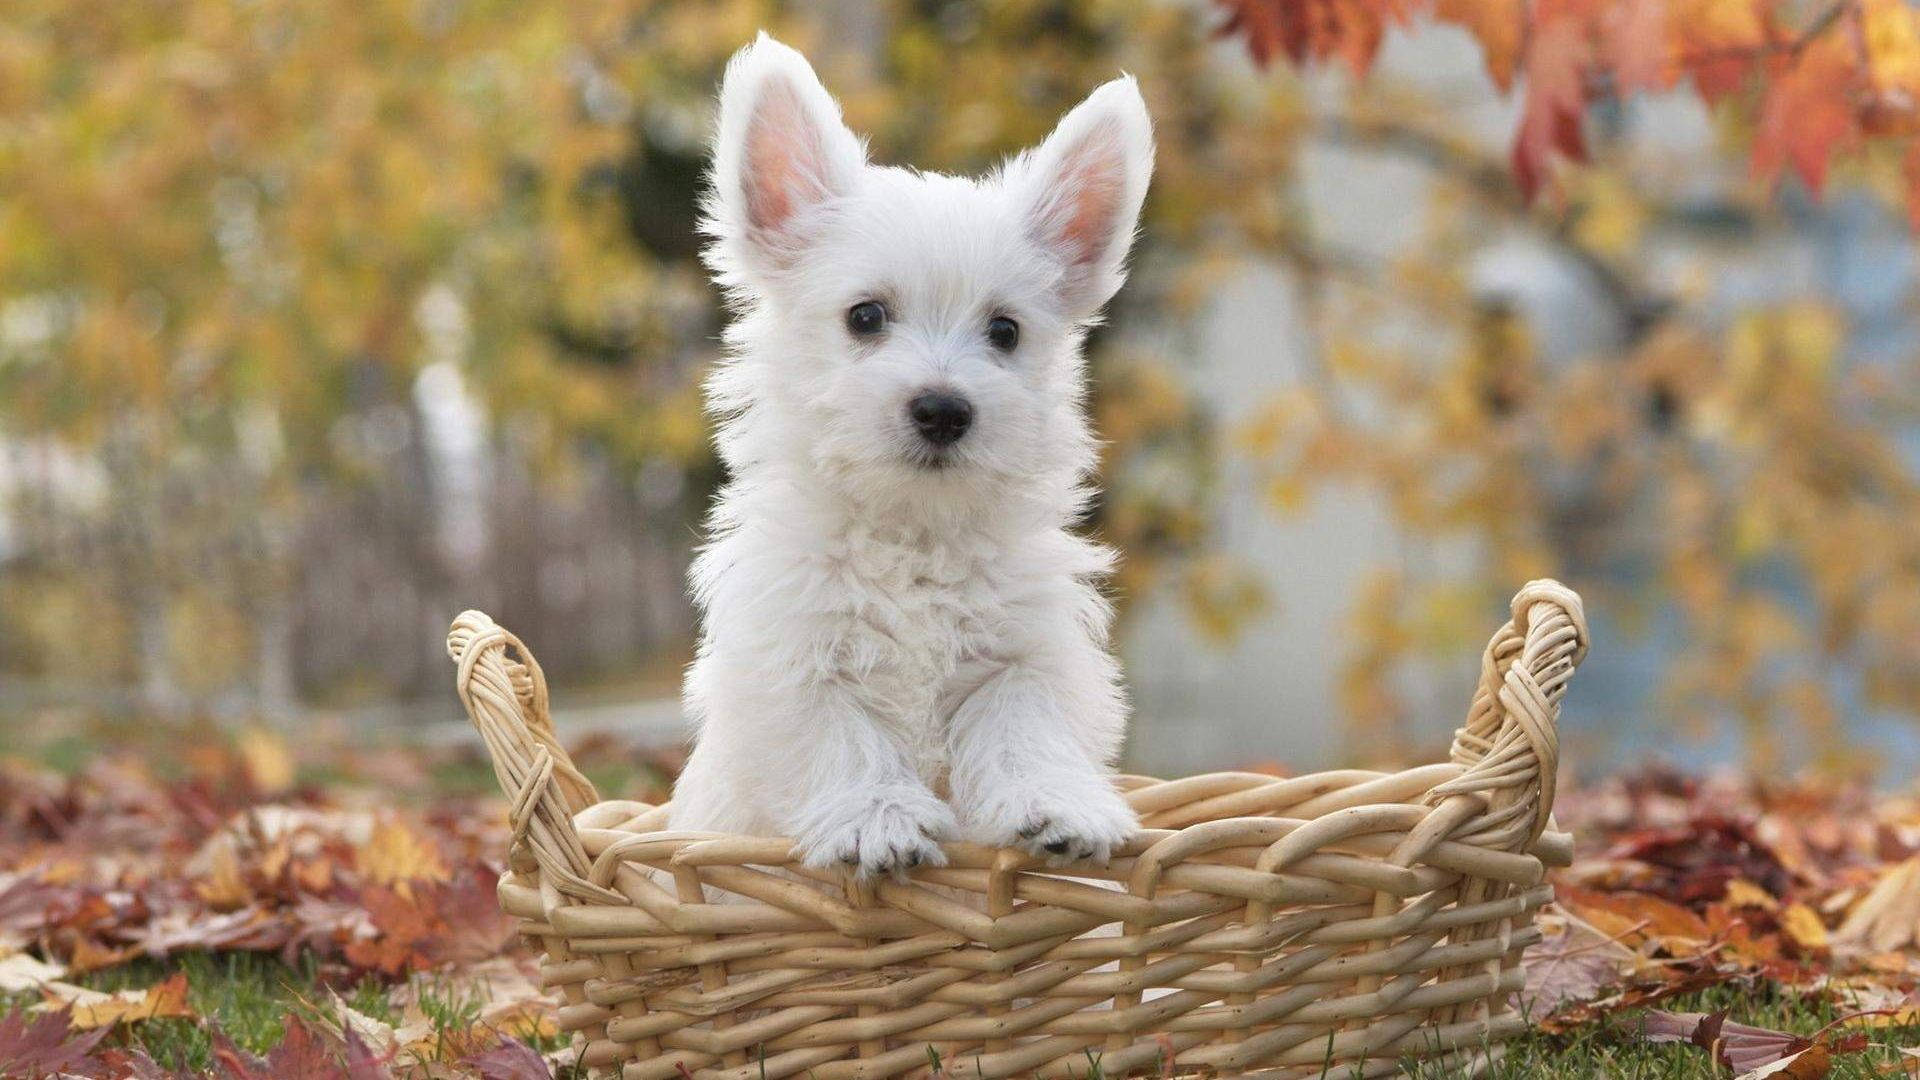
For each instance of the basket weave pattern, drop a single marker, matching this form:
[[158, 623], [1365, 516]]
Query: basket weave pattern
[[1253, 924]]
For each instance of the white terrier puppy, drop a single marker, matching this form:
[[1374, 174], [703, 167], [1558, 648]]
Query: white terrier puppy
[[894, 603]]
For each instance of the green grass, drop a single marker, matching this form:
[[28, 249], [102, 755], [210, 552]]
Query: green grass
[[248, 996], [1610, 1049]]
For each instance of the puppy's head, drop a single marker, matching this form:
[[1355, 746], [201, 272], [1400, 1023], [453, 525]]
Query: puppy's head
[[912, 332]]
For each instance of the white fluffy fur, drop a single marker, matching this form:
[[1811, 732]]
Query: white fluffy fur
[[879, 631]]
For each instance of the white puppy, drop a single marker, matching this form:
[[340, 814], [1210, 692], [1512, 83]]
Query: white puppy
[[895, 604]]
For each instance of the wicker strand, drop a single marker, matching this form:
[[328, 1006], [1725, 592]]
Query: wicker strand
[[1510, 744], [544, 788]]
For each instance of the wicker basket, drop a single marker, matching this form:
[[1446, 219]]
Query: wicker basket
[[1354, 919]]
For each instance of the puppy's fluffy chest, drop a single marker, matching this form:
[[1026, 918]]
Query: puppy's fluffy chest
[[923, 620]]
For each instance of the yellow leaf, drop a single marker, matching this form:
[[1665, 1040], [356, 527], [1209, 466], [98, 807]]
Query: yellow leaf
[[1611, 218], [1744, 893], [396, 855], [1892, 35], [1803, 925], [267, 762]]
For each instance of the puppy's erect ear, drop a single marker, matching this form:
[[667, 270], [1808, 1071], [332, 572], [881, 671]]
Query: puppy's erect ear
[[1083, 189], [780, 152]]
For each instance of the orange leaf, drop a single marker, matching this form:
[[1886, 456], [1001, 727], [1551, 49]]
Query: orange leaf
[[1631, 917], [1808, 114], [1718, 42], [1638, 45], [92, 1009], [1496, 25]]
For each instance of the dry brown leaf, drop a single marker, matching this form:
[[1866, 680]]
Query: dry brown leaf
[[1633, 917], [1813, 1063], [88, 955], [92, 1009], [20, 973], [1572, 963], [223, 884], [1888, 916]]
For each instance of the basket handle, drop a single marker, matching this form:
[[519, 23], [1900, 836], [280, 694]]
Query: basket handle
[[507, 701], [1510, 744]]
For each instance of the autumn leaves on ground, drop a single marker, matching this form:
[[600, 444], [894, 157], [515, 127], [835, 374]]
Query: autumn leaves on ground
[[223, 915], [238, 915]]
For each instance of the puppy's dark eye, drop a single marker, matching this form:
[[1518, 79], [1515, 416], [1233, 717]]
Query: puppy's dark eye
[[866, 318], [1003, 333]]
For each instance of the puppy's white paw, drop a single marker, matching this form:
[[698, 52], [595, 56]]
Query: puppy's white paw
[[1062, 821], [890, 831]]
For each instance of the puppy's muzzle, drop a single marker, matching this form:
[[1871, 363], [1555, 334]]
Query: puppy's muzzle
[[941, 418]]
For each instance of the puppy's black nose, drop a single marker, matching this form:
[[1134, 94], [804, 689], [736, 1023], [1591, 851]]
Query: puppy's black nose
[[941, 418]]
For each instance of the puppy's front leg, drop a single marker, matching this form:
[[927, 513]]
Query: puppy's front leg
[[1028, 751], [859, 802]]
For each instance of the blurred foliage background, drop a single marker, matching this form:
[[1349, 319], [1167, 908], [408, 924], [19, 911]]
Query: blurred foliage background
[[321, 321]]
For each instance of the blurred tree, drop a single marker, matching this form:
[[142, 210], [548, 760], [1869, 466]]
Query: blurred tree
[[1732, 474], [234, 237]]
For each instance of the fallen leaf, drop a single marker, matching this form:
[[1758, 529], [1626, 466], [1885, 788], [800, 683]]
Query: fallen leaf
[[91, 1009], [1570, 965], [1634, 916], [1746, 1050], [46, 1047], [397, 856], [87, 955], [1813, 1063], [224, 884], [1801, 924], [1744, 893], [510, 1060], [266, 761], [20, 973]]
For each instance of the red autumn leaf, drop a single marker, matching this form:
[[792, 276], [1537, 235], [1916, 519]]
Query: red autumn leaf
[[510, 1060], [1556, 101], [1718, 42], [1910, 173], [1303, 30], [1636, 45], [300, 1053], [48, 1046], [132, 1065], [1695, 861], [1807, 115], [361, 1062]]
